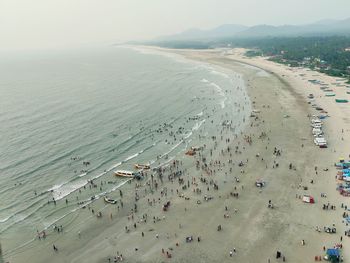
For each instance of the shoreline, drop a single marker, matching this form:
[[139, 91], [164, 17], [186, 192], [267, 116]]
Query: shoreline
[[337, 127], [251, 229]]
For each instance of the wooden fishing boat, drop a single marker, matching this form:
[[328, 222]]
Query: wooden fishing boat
[[110, 201], [123, 173], [142, 166]]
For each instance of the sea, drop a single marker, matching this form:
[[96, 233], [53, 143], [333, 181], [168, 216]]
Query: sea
[[69, 118]]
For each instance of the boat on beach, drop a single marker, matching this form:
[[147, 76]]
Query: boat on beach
[[123, 173], [129, 174], [142, 166], [109, 200]]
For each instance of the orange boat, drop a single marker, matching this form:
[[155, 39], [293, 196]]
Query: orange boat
[[190, 152]]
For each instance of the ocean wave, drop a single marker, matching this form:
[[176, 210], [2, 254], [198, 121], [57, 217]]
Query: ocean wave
[[87, 202], [82, 175], [172, 149], [48, 225], [221, 93], [55, 187], [218, 89], [18, 216], [165, 163], [9, 252], [69, 187], [198, 125], [214, 72], [204, 80], [163, 53], [52, 161], [7, 189], [5, 219], [131, 157]]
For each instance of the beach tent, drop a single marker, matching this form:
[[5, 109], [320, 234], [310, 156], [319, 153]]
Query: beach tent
[[341, 100], [322, 117], [344, 165], [346, 178], [346, 171], [333, 255], [308, 199]]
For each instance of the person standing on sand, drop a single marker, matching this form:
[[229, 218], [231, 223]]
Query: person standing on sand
[[54, 248]]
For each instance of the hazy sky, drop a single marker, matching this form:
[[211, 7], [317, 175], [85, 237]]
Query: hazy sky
[[36, 24]]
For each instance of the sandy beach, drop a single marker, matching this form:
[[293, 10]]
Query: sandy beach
[[216, 212]]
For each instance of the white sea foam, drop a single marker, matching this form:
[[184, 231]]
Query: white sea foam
[[67, 189], [198, 125], [55, 187], [172, 149], [131, 157], [113, 166], [221, 93], [153, 51], [188, 135], [82, 175], [214, 72], [86, 202], [5, 219], [62, 190], [166, 162]]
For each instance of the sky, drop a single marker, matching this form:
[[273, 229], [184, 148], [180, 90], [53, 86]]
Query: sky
[[50, 24]]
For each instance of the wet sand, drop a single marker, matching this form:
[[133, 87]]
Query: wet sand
[[217, 188]]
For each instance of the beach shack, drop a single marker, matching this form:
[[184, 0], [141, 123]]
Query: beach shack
[[332, 255], [308, 199]]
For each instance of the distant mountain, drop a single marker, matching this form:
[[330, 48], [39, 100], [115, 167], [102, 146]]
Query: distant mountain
[[320, 28], [199, 34], [324, 27], [326, 22]]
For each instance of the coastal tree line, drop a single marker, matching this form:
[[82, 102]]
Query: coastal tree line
[[328, 54]]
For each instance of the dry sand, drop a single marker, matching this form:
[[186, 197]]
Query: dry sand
[[255, 231]]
